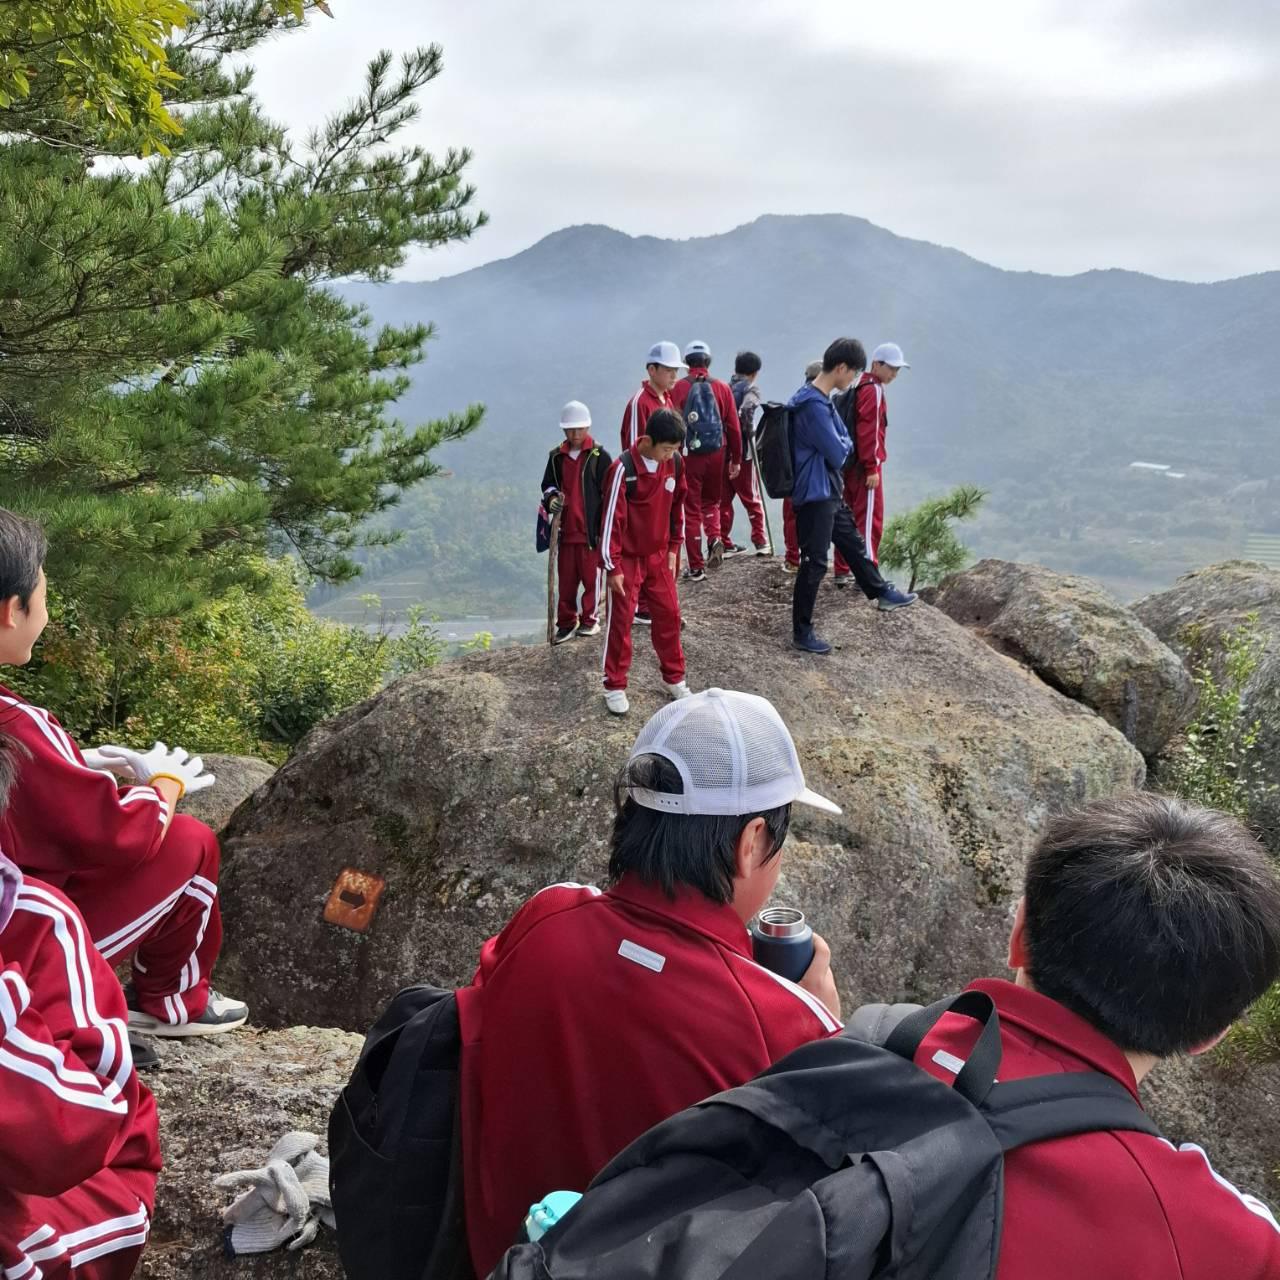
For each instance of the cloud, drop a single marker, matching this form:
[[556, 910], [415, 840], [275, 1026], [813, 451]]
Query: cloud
[[1030, 133]]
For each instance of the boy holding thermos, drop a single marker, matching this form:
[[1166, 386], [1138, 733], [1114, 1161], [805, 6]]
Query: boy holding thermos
[[593, 1016]]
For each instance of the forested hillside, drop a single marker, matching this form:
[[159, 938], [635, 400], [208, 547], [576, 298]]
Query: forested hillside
[[1043, 389]]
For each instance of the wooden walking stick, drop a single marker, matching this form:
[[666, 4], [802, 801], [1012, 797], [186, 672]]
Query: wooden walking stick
[[553, 579]]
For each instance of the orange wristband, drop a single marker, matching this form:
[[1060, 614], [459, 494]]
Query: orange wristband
[[168, 777]]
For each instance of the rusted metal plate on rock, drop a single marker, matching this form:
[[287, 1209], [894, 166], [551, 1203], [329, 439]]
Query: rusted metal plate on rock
[[354, 899]]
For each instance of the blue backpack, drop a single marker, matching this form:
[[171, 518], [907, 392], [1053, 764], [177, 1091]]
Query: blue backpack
[[704, 429]]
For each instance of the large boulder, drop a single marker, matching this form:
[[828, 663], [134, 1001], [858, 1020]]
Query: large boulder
[[468, 787], [238, 777], [1079, 639], [1194, 615], [224, 1102]]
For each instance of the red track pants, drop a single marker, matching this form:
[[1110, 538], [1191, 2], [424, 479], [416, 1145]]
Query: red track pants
[[748, 491], [164, 914], [95, 1231], [867, 506], [789, 532], [654, 576], [702, 502], [579, 567]]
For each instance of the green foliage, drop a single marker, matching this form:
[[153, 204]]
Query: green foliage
[[923, 541], [181, 393], [1216, 762], [251, 673]]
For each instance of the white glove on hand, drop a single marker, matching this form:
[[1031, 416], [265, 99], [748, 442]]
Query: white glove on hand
[[113, 765], [170, 762]]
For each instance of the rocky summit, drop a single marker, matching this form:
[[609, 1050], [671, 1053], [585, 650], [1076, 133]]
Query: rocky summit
[[468, 787]]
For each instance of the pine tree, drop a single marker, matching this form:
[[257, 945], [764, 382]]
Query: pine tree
[[923, 541], [180, 391]]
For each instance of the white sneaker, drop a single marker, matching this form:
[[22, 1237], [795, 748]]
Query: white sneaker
[[616, 701], [678, 690], [764, 549], [222, 1014], [592, 630]]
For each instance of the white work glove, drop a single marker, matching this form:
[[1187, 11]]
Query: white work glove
[[111, 765], [160, 762], [286, 1201]]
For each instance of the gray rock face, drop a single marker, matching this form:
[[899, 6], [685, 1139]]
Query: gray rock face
[[469, 787], [1079, 639], [238, 778], [1218, 600], [224, 1101]]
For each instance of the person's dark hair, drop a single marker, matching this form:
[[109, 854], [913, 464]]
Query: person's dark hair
[[1156, 921], [13, 752], [696, 360], [844, 351], [674, 849], [665, 426], [746, 363], [23, 548]]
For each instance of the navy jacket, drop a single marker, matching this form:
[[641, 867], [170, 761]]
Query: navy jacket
[[820, 447]]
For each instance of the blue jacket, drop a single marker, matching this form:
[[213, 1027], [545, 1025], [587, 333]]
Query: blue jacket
[[820, 446]]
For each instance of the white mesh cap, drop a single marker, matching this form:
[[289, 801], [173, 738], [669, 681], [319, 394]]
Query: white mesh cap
[[733, 753]]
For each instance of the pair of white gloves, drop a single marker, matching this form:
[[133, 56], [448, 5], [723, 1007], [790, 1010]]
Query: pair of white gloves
[[285, 1202], [146, 766]]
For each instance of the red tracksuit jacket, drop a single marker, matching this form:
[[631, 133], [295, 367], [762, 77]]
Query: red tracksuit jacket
[[651, 520], [71, 1105], [64, 817], [728, 412], [637, 412], [871, 425], [591, 1018], [1104, 1206]]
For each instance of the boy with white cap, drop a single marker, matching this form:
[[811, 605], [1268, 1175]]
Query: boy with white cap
[[713, 449], [662, 371], [869, 421], [594, 1016], [573, 485]]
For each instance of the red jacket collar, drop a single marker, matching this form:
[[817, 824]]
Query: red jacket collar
[[587, 445], [1040, 1016], [689, 909]]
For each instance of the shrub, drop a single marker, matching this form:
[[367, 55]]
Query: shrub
[[923, 541]]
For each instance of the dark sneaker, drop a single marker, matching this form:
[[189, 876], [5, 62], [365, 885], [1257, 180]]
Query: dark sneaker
[[145, 1058], [891, 598], [788, 567], [731, 550], [696, 575], [810, 642], [842, 579], [715, 554], [762, 549], [564, 633], [642, 619], [592, 630], [221, 1014]]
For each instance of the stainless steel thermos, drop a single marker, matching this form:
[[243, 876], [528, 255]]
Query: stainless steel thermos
[[782, 942]]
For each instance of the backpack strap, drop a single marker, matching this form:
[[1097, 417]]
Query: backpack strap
[[978, 1074], [1040, 1108], [629, 472]]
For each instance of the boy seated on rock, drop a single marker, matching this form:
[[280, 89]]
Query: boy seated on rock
[[79, 1139], [144, 877], [1146, 928], [593, 1016], [640, 543], [573, 485]]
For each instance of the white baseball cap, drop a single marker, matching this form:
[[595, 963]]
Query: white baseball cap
[[575, 414], [666, 354], [734, 755], [697, 349], [891, 354]]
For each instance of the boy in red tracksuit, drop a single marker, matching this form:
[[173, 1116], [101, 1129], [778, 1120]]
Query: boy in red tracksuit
[[79, 1139], [639, 542], [573, 485], [868, 423], [746, 396], [704, 465], [662, 369], [144, 878]]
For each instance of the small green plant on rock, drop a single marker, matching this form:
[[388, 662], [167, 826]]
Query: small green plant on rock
[[922, 540]]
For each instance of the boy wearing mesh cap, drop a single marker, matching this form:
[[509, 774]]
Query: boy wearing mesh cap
[[593, 1016]]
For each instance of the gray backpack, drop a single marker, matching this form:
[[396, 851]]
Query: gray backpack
[[844, 1161]]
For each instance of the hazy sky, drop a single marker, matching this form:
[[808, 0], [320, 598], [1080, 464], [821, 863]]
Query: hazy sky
[[1056, 135]]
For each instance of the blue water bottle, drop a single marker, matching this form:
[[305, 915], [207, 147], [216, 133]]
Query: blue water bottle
[[782, 942]]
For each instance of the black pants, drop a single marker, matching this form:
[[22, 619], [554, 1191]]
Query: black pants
[[818, 525]]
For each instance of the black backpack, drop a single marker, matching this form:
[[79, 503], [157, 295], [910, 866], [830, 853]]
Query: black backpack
[[774, 458], [395, 1167], [844, 1160], [844, 402], [631, 476], [704, 429]]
